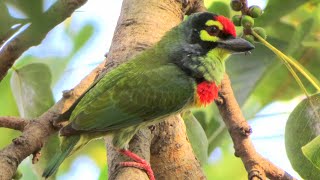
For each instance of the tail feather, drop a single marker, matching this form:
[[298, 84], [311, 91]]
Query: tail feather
[[67, 147]]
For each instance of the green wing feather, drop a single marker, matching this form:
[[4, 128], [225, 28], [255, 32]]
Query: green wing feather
[[130, 95]]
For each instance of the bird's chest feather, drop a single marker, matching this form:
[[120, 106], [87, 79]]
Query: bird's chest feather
[[207, 92]]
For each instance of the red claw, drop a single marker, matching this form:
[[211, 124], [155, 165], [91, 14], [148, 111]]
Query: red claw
[[139, 163]]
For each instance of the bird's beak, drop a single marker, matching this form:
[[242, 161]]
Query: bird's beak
[[236, 45]]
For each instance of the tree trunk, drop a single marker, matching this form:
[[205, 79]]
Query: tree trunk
[[141, 24]]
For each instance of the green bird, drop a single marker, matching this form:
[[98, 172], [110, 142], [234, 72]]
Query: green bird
[[183, 70]]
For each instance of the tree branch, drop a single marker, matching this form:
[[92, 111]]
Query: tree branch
[[134, 33], [168, 140], [257, 166], [172, 156], [36, 133], [36, 32], [15, 123]]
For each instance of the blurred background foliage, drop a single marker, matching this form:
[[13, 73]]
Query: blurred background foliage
[[77, 45]]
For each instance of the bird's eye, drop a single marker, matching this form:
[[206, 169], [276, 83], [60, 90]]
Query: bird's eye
[[212, 30]]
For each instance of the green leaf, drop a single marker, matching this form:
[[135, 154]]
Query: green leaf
[[276, 9], [301, 33], [8, 107], [17, 175], [6, 22], [283, 31], [104, 173], [312, 151], [277, 83], [82, 37], [303, 126], [212, 124], [220, 8], [197, 137], [57, 65], [32, 8], [227, 167], [31, 88], [314, 44], [245, 70]]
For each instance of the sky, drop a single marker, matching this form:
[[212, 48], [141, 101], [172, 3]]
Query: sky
[[268, 129]]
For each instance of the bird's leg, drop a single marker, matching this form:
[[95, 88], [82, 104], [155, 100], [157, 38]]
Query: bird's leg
[[139, 163]]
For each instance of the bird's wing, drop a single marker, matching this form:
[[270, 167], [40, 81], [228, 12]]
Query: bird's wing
[[124, 99]]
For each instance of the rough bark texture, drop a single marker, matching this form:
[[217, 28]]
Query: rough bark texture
[[15, 123], [37, 132], [140, 25], [171, 153], [257, 166]]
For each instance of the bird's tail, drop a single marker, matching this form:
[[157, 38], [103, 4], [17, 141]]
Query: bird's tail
[[67, 146]]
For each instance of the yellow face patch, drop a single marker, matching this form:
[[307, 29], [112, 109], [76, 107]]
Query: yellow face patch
[[214, 23], [205, 36]]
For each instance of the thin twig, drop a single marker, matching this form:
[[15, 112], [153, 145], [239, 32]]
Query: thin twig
[[15, 123], [257, 166], [36, 32]]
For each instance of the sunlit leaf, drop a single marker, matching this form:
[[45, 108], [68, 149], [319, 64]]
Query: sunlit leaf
[[31, 86], [303, 126], [222, 162], [104, 173], [312, 151], [8, 107], [197, 137], [57, 65]]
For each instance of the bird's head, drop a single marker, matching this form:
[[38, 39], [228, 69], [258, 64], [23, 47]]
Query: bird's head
[[215, 31]]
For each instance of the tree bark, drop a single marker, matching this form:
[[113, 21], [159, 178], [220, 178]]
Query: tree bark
[[172, 156], [141, 24], [257, 166]]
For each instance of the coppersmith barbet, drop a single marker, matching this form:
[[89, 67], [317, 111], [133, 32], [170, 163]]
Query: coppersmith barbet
[[183, 70]]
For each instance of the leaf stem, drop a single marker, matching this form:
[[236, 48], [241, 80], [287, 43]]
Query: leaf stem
[[296, 77], [313, 80]]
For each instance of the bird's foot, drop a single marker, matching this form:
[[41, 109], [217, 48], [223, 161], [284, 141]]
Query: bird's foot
[[139, 163]]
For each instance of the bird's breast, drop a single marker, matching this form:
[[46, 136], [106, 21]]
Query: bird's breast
[[207, 92]]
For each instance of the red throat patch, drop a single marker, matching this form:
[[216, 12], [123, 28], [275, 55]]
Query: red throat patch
[[228, 26], [207, 92]]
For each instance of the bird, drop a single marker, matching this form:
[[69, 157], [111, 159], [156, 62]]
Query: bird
[[181, 71]]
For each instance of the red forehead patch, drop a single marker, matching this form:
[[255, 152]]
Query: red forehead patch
[[228, 26]]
